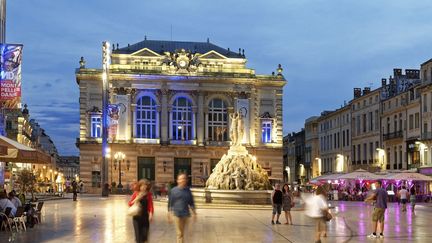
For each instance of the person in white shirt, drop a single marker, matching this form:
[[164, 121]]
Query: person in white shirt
[[316, 205], [14, 199], [6, 203], [403, 195]]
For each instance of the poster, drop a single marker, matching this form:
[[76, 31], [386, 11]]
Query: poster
[[10, 75], [113, 119]]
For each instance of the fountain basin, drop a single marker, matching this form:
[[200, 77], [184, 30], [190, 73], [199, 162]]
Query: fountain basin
[[256, 197]]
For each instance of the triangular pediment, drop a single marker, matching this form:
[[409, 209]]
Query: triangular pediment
[[145, 52], [213, 55]]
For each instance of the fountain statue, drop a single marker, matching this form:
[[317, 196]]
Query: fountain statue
[[238, 170]]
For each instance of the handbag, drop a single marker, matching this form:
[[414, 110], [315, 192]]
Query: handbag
[[327, 215], [135, 209]]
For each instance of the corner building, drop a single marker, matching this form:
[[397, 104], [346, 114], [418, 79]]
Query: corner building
[[174, 101]]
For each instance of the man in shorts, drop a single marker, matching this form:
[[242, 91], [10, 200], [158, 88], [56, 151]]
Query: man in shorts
[[403, 195], [276, 199], [380, 197]]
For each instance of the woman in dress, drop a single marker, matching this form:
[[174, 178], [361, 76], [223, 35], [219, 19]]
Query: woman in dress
[[287, 203], [141, 222]]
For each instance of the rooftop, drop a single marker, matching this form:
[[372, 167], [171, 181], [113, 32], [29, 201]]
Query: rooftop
[[160, 46]]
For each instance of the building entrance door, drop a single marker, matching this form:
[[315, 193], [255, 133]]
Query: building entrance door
[[146, 168], [183, 165]]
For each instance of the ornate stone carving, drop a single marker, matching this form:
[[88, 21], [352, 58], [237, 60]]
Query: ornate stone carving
[[238, 169]]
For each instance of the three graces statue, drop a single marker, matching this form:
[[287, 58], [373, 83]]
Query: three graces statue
[[236, 129]]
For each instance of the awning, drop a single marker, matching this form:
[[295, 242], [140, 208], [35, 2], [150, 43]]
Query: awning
[[20, 153]]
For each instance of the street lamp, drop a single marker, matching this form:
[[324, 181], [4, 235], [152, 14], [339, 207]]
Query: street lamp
[[105, 79], [119, 158]]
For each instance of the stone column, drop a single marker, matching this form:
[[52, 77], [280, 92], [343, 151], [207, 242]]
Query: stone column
[[252, 117], [168, 129], [206, 129], [132, 121], [164, 117], [194, 123], [200, 119]]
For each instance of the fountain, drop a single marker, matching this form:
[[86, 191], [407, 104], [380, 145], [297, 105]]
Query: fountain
[[237, 177]]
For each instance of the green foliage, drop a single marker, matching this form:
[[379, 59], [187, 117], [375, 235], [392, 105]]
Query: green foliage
[[27, 181]]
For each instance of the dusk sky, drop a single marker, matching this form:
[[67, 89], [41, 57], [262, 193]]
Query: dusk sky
[[325, 47]]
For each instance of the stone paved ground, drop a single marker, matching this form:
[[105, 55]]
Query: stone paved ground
[[94, 219]]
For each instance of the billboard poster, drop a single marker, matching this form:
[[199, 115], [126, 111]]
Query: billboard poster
[[10, 75], [113, 120]]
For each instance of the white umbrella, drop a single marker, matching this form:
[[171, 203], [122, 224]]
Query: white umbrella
[[361, 175], [408, 176], [325, 178]]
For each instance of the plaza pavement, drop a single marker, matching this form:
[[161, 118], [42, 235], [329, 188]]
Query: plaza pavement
[[94, 219]]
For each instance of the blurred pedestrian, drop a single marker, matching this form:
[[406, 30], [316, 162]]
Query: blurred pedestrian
[[180, 203], [316, 208], [74, 190], [412, 198], [276, 200], [143, 199], [403, 195], [287, 203], [379, 196]]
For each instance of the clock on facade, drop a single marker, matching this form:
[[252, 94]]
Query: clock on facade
[[182, 63]]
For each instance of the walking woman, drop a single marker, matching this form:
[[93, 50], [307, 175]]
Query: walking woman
[[287, 203], [141, 222], [412, 198]]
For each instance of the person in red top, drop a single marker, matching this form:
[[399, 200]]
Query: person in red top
[[143, 197]]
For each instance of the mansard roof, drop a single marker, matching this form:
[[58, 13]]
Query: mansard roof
[[160, 46]]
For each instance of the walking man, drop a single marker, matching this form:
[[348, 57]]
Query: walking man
[[277, 198], [380, 198], [180, 203], [403, 195]]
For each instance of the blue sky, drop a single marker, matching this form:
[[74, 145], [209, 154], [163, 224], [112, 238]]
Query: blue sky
[[325, 47]]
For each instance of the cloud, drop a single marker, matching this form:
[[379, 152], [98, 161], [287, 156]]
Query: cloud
[[326, 47]]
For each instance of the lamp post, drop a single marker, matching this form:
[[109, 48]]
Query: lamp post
[[119, 158], [105, 74]]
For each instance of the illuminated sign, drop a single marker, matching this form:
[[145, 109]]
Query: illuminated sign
[[10, 75]]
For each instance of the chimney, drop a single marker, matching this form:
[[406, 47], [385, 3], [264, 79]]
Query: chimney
[[397, 72], [366, 90], [357, 93], [383, 82], [412, 73]]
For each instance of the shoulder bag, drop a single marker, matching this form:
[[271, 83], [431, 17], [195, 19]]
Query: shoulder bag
[[135, 209]]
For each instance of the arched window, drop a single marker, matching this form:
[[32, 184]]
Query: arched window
[[217, 120], [146, 118], [182, 124]]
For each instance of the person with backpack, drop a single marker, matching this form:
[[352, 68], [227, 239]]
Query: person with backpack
[[276, 200]]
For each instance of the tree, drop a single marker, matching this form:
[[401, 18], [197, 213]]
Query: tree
[[27, 181]]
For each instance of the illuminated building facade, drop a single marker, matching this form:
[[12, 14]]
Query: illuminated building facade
[[334, 129], [170, 112]]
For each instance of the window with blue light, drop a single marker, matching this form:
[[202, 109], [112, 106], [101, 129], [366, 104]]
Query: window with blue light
[[217, 120], [96, 126], [182, 119], [266, 131], [146, 119]]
